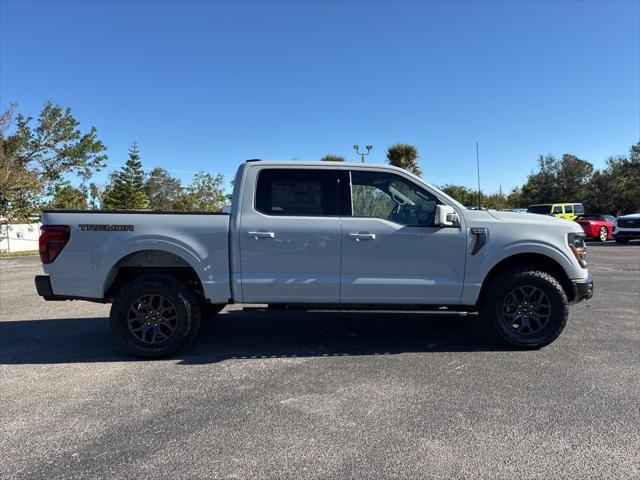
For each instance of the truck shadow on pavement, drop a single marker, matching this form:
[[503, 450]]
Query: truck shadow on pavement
[[255, 335]]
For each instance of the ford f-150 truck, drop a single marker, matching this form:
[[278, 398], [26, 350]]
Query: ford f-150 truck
[[315, 235]]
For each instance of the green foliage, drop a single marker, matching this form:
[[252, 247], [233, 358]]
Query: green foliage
[[464, 195], [573, 177], [558, 181], [616, 189], [162, 189], [541, 186], [404, 156], [332, 158], [204, 194], [34, 159], [67, 197], [95, 194], [624, 180], [126, 190]]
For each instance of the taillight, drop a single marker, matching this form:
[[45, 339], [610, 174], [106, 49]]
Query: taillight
[[53, 238]]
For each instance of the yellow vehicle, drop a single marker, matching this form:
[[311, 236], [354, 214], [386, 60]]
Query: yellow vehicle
[[561, 210]]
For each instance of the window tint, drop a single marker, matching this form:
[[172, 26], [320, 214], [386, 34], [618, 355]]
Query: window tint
[[390, 197], [568, 209], [578, 208], [541, 209], [557, 209], [294, 192]]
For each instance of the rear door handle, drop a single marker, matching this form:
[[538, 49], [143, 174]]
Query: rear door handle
[[261, 234], [362, 236]]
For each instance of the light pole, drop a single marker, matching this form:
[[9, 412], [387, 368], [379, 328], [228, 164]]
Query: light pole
[[356, 147]]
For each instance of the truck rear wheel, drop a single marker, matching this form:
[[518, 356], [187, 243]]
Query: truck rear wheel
[[526, 307], [155, 316]]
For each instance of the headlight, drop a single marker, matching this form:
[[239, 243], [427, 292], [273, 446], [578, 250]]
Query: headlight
[[578, 247]]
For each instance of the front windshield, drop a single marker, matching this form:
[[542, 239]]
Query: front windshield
[[543, 209]]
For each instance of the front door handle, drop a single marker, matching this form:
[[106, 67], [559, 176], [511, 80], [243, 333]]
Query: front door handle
[[362, 236], [257, 235]]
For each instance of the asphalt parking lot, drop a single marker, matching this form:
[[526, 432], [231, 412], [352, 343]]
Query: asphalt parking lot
[[322, 395]]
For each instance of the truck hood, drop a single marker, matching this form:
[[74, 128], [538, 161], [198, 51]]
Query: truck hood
[[631, 216], [477, 216]]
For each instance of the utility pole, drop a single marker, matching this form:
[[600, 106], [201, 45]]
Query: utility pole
[[478, 164], [356, 147]]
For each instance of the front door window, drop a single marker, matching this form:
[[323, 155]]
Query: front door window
[[390, 197]]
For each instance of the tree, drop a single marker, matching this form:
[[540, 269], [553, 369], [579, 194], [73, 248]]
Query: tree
[[67, 197], [572, 178], [601, 193], [464, 195], [556, 181], [332, 158], [95, 194], [162, 189], [541, 186], [126, 190], [514, 199], [404, 156], [19, 186], [204, 194], [618, 185], [35, 159]]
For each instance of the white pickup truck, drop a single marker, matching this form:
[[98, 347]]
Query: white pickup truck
[[316, 235]]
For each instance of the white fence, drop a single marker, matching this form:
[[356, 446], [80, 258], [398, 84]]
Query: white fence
[[19, 237]]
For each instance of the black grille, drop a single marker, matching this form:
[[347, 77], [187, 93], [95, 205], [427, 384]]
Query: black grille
[[622, 223]]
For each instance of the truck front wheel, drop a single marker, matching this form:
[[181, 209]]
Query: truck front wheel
[[527, 307], [155, 316]]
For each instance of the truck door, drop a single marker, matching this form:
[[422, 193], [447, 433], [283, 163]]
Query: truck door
[[391, 252], [290, 237]]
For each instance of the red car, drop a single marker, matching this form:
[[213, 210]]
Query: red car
[[597, 226]]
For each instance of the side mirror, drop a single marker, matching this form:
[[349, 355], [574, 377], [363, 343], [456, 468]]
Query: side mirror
[[446, 216]]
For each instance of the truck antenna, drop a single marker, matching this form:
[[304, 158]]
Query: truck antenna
[[478, 164]]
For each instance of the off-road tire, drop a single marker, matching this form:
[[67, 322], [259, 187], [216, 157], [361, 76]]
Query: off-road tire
[[494, 296], [187, 307]]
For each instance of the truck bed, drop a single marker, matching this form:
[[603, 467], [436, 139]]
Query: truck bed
[[101, 241]]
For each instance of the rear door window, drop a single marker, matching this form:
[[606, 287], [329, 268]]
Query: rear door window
[[297, 192], [557, 209]]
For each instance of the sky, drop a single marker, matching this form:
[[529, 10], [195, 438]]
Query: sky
[[206, 85]]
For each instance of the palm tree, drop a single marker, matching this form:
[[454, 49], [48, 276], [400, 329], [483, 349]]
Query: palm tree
[[404, 156], [332, 158]]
